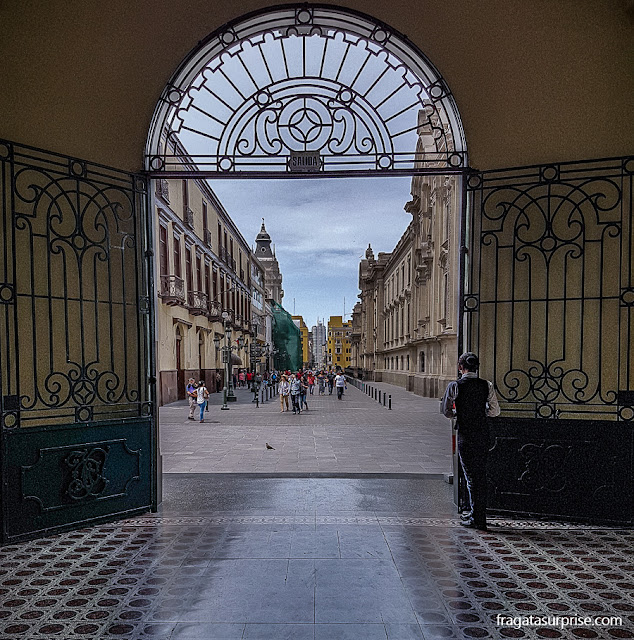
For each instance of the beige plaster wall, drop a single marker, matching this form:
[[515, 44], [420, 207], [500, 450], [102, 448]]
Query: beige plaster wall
[[534, 80]]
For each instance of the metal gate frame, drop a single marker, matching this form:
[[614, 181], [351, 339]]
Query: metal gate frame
[[78, 404], [548, 304]]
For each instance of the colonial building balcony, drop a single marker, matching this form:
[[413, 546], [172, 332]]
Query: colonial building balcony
[[231, 315], [214, 311], [172, 290], [197, 303], [162, 189], [208, 237], [188, 217], [225, 256]]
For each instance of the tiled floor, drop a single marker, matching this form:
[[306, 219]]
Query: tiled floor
[[354, 435], [271, 558]]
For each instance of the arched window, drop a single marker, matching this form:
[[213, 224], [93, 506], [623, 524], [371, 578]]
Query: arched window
[[345, 90]]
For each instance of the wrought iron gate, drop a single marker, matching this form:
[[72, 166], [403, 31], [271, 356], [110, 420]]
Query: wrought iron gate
[[76, 435], [549, 307]]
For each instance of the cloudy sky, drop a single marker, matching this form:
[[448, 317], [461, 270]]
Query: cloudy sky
[[320, 229]]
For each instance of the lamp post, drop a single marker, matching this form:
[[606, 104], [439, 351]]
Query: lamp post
[[228, 395]]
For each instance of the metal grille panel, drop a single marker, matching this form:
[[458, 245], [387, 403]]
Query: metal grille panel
[[549, 299], [72, 288], [301, 79]]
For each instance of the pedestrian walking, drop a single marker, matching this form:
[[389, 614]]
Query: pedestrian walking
[[296, 385], [331, 382], [321, 381], [311, 382], [303, 388], [340, 383], [190, 390], [471, 400], [201, 398], [285, 390]]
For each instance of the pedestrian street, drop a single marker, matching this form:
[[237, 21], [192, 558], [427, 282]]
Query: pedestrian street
[[352, 436]]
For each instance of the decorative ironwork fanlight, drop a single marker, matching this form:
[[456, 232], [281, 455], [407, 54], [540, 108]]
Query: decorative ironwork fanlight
[[336, 89]]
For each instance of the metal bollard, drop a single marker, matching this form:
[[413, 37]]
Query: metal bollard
[[389, 406], [384, 399], [379, 396]]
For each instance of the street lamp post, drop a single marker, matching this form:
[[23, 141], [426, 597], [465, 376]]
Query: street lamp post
[[228, 395]]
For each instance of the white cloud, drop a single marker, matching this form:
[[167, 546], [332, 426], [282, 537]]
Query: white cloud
[[320, 228]]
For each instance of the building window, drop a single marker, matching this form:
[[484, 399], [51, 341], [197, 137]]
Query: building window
[[207, 283], [177, 257], [422, 362], [408, 363], [199, 274], [188, 268], [163, 260]]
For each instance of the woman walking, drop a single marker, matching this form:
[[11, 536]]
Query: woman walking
[[303, 388], [284, 389], [201, 398]]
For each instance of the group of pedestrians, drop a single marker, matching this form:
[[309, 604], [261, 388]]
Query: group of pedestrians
[[294, 388], [198, 396], [470, 400]]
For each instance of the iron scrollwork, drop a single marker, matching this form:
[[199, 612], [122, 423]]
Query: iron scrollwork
[[548, 247], [72, 298], [87, 473], [307, 79], [543, 467]]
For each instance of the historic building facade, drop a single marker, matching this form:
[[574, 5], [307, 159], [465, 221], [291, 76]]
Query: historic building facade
[[319, 344], [266, 255], [305, 337], [407, 320], [203, 272], [339, 347], [261, 314]]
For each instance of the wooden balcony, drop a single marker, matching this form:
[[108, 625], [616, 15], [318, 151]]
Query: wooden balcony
[[197, 303], [172, 290]]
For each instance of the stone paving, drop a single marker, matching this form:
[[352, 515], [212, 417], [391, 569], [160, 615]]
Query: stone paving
[[354, 435]]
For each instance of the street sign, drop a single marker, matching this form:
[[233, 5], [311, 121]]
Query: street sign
[[304, 161]]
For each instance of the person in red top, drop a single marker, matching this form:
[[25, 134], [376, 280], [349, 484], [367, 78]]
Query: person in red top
[[311, 381]]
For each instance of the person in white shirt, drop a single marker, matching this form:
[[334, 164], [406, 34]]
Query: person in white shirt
[[340, 383], [201, 398]]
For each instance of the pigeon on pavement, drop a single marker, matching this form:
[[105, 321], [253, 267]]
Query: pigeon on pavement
[[268, 446]]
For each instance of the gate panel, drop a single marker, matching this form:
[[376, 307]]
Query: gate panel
[[548, 307], [77, 411]]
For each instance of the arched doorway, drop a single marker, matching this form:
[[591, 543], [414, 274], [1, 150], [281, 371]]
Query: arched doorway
[[308, 92]]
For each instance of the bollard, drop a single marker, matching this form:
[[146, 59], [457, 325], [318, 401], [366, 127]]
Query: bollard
[[384, 399], [379, 396], [389, 405]]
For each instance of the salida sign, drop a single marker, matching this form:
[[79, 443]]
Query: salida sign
[[304, 161]]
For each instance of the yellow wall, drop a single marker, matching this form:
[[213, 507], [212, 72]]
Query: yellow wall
[[303, 329], [534, 80]]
